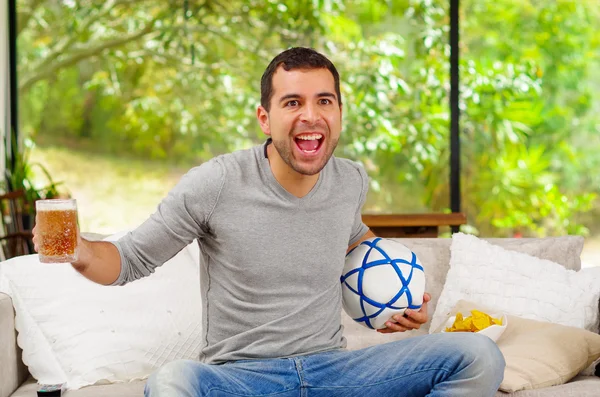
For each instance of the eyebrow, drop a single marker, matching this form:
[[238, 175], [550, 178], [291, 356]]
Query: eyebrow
[[319, 95]]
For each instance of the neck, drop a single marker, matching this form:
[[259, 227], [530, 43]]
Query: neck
[[294, 182]]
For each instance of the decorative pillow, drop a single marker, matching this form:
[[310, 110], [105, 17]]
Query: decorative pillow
[[590, 278], [541, 354], [77, 332], [514, 283]]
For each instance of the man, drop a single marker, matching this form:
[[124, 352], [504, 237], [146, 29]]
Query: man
[[274, 224]]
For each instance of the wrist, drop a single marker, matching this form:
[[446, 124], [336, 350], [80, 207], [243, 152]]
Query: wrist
[[83, 255]]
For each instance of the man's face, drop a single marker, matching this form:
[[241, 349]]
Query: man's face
[[305, 118]]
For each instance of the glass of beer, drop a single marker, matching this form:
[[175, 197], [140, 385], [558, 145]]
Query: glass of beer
[[57, 230]]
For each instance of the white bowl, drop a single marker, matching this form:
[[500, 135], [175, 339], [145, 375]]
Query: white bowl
[[493, 331]]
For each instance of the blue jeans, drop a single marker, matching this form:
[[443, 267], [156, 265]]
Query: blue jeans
[[450, 364]]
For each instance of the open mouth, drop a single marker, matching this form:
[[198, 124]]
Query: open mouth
[[309, 143]]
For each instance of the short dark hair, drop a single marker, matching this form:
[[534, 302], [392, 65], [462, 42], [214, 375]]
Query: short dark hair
[[295, 58]]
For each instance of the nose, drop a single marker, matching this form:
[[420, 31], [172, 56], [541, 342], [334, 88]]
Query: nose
[[310, 114]]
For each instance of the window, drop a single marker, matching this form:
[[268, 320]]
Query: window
[[121, 98], [531, 125]]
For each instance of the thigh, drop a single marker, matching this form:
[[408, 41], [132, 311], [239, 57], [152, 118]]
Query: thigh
[[254, 378], [410, 367]]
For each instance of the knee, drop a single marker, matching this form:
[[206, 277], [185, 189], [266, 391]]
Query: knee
[[176, 378], [473, 365], [483, 357]]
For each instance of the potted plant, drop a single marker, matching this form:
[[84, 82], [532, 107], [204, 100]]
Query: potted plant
[[19, 174]]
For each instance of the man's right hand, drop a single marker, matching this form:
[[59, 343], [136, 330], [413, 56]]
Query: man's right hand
[[98, 261], [35, 241]]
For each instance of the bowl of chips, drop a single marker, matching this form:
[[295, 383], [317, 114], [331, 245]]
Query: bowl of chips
[[479, 322]]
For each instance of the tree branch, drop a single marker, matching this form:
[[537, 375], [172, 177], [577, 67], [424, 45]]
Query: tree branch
[[42, 73], [167, 59], [67, 42], [25, 16]]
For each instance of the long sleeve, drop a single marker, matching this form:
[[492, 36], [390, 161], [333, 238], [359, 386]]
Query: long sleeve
[[359, 228], [182, 216]]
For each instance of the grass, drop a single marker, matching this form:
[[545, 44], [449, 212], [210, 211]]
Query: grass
[[112, 194]]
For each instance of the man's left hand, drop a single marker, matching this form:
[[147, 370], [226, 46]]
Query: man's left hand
[[410, 320]]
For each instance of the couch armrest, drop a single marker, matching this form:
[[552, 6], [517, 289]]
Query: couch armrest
[[12, 370]]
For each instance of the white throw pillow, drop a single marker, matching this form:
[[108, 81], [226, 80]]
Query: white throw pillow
[[516, 284], [590, 277], [80, 333]]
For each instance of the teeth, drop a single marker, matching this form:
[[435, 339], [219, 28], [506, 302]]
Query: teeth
[[309, 137]]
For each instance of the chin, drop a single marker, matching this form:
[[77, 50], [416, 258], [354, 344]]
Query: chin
[[309, 170]]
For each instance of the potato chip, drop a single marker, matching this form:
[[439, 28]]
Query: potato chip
[[476, 322]]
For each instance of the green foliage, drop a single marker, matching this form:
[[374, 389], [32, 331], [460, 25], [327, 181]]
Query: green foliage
[[21, 172], [531, 119], [155, 80], [522, 202]]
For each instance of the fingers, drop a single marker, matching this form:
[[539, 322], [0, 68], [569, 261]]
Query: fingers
[[412, 319], [393, 327], [35, 239], [421, 315], [407, 321], [399, 323]]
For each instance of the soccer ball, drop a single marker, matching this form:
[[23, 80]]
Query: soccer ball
[[381, 278]]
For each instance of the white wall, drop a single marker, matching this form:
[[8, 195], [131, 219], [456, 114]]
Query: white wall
[[4, 82]]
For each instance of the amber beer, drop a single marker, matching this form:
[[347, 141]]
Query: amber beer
[[58, 230]]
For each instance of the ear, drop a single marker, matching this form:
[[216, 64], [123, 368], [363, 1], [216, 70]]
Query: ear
[[263, 119]]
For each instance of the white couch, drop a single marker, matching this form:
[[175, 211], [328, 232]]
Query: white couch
[[15, 380]]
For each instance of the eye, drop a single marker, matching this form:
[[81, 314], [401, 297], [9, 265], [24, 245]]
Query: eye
[[324, 101], [292, 103]]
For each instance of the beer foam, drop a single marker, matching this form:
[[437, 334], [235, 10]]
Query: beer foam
[[59, 205]]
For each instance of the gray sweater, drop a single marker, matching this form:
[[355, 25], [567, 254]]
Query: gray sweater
[[270, 262]]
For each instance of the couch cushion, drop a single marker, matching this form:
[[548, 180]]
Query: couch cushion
[[583, 386], [12, 370], [130, 389], [564, 250]]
